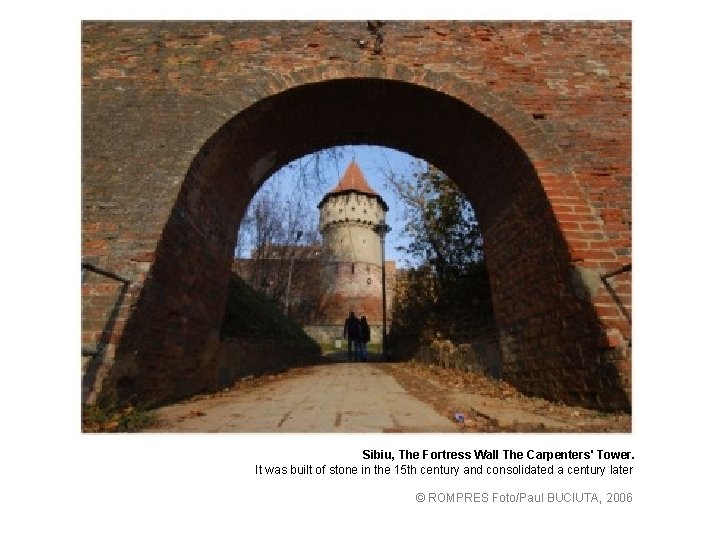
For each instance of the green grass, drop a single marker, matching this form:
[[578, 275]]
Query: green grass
[[126, 419]]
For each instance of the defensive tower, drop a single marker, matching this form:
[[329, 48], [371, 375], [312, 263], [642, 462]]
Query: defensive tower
[[352, 250]]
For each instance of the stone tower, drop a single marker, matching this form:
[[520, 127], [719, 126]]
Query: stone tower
[[352, 251]]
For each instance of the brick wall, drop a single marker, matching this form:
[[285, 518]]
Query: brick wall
[[322, 293], [183, 121], [349, 290]]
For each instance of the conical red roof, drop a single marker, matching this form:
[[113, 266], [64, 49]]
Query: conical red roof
[[353, 180]]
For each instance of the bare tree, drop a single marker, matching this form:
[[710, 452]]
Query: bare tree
[[273, 228], [280, 226]]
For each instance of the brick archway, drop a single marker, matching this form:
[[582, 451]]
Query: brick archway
[[213, 154]]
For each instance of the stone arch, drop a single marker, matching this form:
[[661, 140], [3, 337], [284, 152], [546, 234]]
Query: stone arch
[[552, 338]]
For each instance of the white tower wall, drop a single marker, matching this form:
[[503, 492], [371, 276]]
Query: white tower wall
[[346, 223]]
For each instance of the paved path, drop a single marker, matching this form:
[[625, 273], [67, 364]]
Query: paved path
[[348, 397]]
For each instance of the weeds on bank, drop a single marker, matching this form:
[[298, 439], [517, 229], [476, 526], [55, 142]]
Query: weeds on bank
[[127, 419]]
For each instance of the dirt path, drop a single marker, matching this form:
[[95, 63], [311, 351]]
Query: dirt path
[[488, 405], [376, 398]]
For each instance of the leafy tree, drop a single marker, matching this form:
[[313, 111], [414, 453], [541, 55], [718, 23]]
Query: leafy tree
[[448, 290], [440, 223]]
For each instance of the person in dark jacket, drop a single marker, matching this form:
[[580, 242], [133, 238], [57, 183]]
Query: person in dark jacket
[[351, 331], [364, 338]]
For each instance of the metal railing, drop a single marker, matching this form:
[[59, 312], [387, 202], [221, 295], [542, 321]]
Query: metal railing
[[100, 346], [107, 273], [97, 353], [604, 278]]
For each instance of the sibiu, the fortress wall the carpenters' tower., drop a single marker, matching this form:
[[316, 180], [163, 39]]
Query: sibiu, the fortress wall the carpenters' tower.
[[352, 269]]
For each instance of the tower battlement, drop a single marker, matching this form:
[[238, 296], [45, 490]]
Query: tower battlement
[[348, 214]]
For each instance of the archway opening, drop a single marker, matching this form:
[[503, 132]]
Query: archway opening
[[314, 251]]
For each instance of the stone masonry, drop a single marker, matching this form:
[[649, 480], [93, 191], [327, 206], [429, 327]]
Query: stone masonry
[[183, 121], [353, 252]]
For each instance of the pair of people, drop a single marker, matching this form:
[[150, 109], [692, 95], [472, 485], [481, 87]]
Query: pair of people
[[357, 332]]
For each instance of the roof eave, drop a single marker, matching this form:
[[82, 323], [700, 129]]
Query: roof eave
[[343, 192]]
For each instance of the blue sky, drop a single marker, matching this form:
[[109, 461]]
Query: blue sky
[[375, 162]]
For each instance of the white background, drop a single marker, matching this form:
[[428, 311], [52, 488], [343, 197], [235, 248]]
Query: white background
[[55, 481]]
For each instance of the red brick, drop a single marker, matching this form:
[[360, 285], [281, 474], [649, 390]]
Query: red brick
[[593, 254]]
